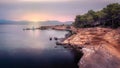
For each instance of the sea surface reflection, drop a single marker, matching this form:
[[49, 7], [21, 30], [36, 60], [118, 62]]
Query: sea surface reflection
[[32, 49]]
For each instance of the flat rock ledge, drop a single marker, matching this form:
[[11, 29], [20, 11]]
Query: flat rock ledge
[[100, 46], [98, 57]]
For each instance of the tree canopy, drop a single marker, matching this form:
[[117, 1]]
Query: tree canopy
[[107, 17]]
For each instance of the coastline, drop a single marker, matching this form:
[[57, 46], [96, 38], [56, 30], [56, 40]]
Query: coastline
[[100, 46]]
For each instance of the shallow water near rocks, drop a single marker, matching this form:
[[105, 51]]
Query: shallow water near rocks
[[33, 49]]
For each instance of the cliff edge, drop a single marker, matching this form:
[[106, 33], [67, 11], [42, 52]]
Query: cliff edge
[[101, 47]]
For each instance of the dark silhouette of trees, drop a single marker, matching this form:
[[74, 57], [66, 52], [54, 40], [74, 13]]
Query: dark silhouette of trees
[[112, 15], [107, 17]]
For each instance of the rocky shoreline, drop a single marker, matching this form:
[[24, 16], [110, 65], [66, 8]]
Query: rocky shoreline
[[100, 46]]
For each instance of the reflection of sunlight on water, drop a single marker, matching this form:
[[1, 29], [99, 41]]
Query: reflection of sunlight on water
[[34, 33], [34, 37], [38, 38]]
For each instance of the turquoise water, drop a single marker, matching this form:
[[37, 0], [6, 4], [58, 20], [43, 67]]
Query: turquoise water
[[32, 48]]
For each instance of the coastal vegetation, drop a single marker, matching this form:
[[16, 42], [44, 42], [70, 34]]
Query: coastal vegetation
[[107, 17]]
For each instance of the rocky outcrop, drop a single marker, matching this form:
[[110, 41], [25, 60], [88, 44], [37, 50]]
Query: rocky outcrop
[[101, 47], [56, 27], [98, 57]]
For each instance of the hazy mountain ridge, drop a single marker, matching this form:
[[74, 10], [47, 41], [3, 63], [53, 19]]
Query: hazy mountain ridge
[[43, 23], [10, 22]]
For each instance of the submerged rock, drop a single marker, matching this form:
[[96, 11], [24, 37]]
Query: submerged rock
[[55, 38], [50, 38]]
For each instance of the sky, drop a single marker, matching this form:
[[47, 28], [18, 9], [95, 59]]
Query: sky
[[42, 10]]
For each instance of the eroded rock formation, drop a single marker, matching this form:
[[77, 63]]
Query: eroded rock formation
[[101, 47]]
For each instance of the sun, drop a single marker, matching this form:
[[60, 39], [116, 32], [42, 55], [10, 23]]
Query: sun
[[34, 17]]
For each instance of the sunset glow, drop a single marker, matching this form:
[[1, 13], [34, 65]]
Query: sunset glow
[[36, 17], [44, 10], [32, 17]]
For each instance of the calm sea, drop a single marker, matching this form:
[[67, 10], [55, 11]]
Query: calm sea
[[32, 48]]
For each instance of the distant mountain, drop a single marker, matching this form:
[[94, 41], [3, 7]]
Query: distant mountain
[[5, 22], [10, 22], [42, 23]]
